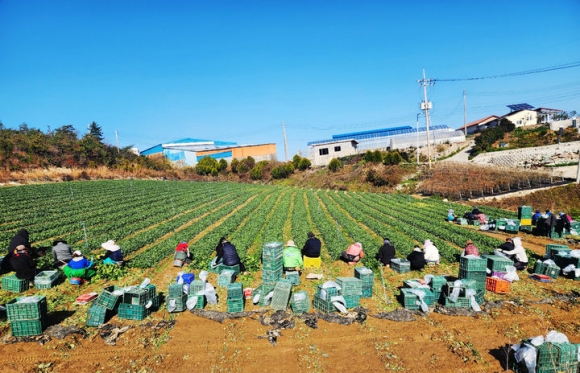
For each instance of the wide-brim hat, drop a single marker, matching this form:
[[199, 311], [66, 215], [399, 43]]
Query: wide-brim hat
[[290, 243], [110, 246]]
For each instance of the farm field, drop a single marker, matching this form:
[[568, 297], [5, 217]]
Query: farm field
[[148, 218]]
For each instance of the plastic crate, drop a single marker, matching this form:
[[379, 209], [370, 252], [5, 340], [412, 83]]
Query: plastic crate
[[352, 301], [478, 277], [177, 304], [151, 291], [312, 262], [235, 290], [350, 285], [281, 296], [201, 301], [400, 265], [300, 302], [96, 315], [135, 296], [364, 274], [196, 286], [415, 283], [367, 292], [263, 290], [272, 250], [552, 249], [323, 305], [552, 271], [273, 264], [563, 261], [226, 277], [271, 277], [45, 279], [326, 293], [293, 276], [26, 308], [567, 352], [409, 300], [27, 328], [437, 283], [235, 305], [14, 284], [132, 311], [461, 221], [472, 264], [175, 290], [497, 263], [464, 302], [525, 212], [540, 268], [497, 285], [513, 228], [108, 298]]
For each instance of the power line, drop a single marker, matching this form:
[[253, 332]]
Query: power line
[[528, 72]]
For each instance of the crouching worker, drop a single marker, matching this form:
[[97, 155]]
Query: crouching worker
[[417, 259], [22, 263], [61, 253], [292, 258], [353, 254], [518, 254], [79, 267], [227, 254], [113, 254], [181, 255]]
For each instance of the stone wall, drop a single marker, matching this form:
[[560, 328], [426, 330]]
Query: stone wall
[[528, 157]]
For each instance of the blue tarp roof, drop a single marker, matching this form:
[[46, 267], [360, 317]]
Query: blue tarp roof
[[385, 132]]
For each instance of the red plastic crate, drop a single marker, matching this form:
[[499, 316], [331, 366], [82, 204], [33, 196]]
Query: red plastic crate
[[497, 285]]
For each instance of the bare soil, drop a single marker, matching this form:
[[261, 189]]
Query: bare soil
[[390, 339]]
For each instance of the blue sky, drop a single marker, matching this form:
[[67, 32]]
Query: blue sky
[[157, 71]]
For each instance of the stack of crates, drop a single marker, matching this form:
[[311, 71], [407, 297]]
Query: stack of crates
[[14, 284], [525, 216], [497, 263], [463, 301], [27, 315], [45, 279], [551, 358], [134, 305], [473, 268], [367, 277], [262, 292], [104, 306], [400, 265], [410, 300], [226, 277], [272, 262], [293, 277], [351, 290], [322, 299], [176, 299], [196, 288], [235, 301], [300, 302], [563, 260], [437, 283], [282, 291]]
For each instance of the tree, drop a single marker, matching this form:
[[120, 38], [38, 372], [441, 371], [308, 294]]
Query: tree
[[304, 164], [206, 165], [234, 165], [334, 165], [296, 160], [96, 132]]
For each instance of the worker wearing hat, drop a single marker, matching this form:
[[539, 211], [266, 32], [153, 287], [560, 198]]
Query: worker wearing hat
[[470, 249], [292, 257]]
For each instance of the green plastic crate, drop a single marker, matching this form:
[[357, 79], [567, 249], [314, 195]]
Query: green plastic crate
[[180, 303], [27, 328], [552, 271], [263, 290], [326, 293], [367, 292], [465, 302], [323, 305], [300, 302], [96, 315], [49, 285], [437, 283], [497, 263], [364, 274], [478, 277], [465, 284], [175, 290], [151, 291], [235, 290], [281, 296], [196, 286], [409, 300], [472, 264], [352, 301], [108, 299], [14, 284], [349, 285], [235, 305], [415, 283], [26, 308], [273, 264], [271, 277], [540, 268], [201, 301], [293, 276], [552, 249], [133, 311], [272, 251], [45, 279], [400, 265], [136, 296], [235, 268], [226, 277]]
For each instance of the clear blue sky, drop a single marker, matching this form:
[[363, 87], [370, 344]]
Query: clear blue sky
[[157, 71]]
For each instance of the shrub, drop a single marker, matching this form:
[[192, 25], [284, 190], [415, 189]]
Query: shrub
[[206, 165], [222, 165], [234, 165], [304, 164], [334, 165]]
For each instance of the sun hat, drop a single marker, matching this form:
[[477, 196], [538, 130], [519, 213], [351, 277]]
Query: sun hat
[[468, 242], [110, 246], [77, 252], [290, 243]]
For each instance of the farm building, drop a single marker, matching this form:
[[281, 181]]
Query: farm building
[[480, 124], [187, 152], [321, 152]]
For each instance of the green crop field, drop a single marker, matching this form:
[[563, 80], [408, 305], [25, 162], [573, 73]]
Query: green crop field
[[149, 218]]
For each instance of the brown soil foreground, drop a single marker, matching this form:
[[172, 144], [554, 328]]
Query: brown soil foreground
[[433, 342]]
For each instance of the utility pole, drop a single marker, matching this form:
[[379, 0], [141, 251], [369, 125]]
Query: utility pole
[[578, 171], [117, 137], [417, 138], [425, 106], [464, 115], [285, 143]]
